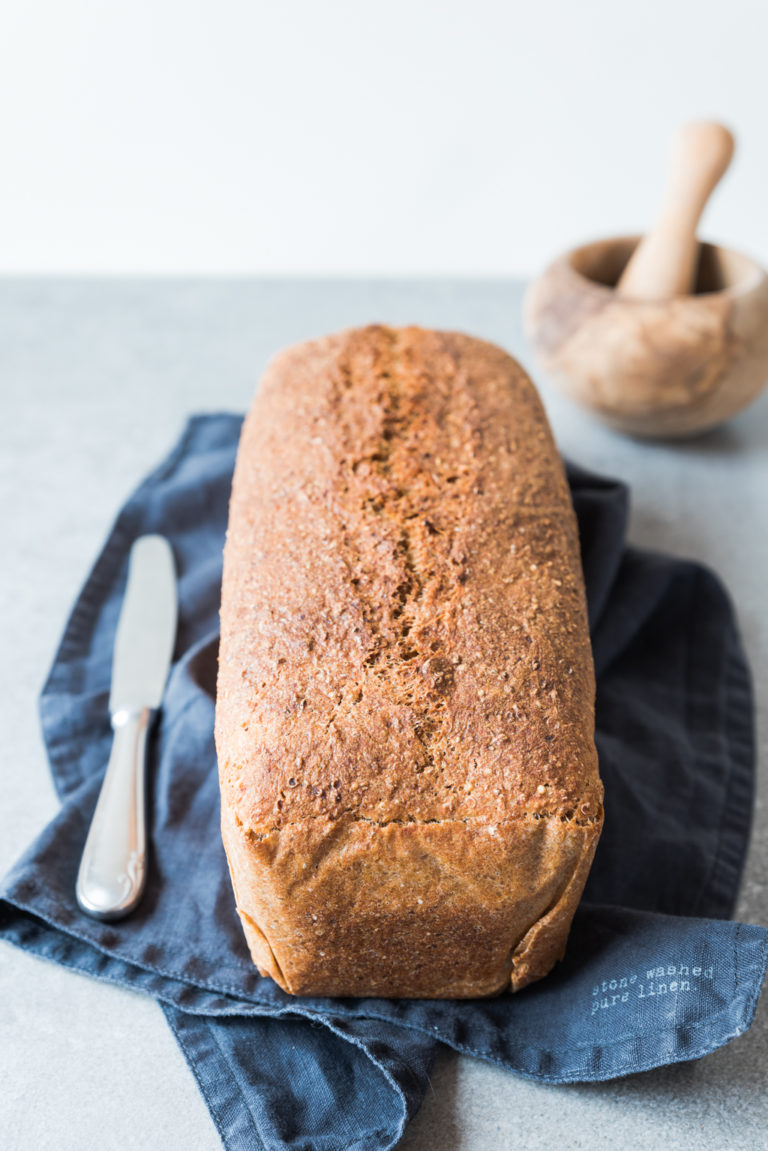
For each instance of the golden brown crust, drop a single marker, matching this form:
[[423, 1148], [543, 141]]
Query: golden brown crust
[[405, 702]]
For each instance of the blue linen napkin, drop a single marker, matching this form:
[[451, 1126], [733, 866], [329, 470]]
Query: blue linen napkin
[[654, 972]]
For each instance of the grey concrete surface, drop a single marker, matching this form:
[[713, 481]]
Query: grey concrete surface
[[96, 379]]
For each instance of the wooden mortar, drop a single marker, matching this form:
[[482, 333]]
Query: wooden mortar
[[670, 366]]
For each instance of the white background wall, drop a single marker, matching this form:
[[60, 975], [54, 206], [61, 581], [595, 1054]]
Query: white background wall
[[347, 136]]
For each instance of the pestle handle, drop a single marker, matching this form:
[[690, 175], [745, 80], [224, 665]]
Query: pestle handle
[[665, 262]]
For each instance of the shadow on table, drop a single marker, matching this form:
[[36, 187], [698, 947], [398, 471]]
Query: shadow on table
[[437, 1124]]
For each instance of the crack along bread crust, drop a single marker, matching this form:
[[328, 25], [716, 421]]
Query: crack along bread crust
[[405, 707]]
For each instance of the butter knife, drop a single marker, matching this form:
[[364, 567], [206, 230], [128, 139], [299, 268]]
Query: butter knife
[[113, 868]]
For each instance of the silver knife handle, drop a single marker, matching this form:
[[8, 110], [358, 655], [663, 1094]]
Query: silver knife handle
[[113, 868]]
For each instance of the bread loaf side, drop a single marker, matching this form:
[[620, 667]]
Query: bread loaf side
[[405, 709]]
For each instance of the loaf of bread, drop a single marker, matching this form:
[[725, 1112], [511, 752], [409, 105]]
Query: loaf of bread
[[405, 709]]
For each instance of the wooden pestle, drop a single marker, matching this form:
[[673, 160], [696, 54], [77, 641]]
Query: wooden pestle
[[665, 262]]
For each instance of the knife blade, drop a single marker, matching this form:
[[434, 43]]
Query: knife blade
[[112, 871]]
